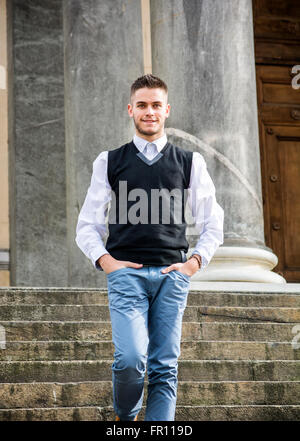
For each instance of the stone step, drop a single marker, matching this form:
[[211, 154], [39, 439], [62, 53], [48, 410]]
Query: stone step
[[243, 299], [236, 313], [54, 296], [189, 370], [99, 330], [54, 312], [88, 296], [247, 331], [99, 393], [192, 313], [183, 413], [190, 350], [53, 330]]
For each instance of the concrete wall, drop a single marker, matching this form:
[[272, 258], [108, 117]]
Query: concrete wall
[[70, 68], [4, 217], [37, 144], [103, 56], [70, 62]]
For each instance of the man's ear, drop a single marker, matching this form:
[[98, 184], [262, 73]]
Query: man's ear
[[129, 109], [168, 110]]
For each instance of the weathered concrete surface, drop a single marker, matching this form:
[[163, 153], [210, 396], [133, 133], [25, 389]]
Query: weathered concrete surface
[[191, 314], [96, 330], [38, 246], [190, 350], [103, 56], [191, 370], [89, 83], [59, 296], [52, 331], [233, 365], [183, 413], [204, 51], [89, 296], [43, 395]]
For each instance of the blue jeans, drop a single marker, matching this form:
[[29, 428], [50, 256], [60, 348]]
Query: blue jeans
[[146, 309]]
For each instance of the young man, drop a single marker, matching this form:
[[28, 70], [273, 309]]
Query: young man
[[148, 274]]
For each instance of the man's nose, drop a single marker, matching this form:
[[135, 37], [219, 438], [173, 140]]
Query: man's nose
[[150, 110]]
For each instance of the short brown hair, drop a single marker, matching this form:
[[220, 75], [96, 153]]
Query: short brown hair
[[150, 81]]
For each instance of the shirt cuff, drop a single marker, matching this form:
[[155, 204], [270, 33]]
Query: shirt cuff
[[95, 256], [204, 261]]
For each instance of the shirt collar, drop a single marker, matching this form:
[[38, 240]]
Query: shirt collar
[[140, 143]]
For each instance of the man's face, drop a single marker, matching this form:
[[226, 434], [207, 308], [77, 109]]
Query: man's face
[[149, 110]]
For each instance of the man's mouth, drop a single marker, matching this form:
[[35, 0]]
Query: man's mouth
[[149, 121]]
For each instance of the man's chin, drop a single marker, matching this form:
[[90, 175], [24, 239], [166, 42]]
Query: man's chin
[[148, 132]]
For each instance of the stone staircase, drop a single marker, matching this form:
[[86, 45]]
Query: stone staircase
[[238, 358]]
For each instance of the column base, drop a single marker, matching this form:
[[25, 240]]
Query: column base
[[240, 264]]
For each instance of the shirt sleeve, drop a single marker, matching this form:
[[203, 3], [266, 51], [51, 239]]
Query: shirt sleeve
[[91, 224], [207, 214]]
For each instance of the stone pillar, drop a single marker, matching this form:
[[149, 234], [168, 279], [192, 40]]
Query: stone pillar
[[4, 212], [204, 50], [103, 56], [38, 251]]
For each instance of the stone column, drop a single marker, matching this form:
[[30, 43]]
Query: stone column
[[4, 212], [38, 251], [103, 56], [204, 50]]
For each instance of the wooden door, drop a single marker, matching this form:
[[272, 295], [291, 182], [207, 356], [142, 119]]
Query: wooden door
[[277, 54], [279, 122]]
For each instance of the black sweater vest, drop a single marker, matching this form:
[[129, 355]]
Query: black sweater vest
[[146, 221]]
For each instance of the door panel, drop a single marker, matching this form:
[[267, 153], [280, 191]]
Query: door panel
[[280, 164], [277, 50]]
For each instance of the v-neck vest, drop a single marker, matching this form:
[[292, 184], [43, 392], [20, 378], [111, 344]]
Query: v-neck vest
[[144, 235]]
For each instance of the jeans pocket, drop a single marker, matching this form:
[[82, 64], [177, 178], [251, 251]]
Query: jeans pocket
[[184, 276], [117, 271]]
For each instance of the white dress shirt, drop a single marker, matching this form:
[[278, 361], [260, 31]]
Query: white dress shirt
[[206, 212]]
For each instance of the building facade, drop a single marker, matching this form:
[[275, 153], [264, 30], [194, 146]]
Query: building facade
[[231, 68]]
